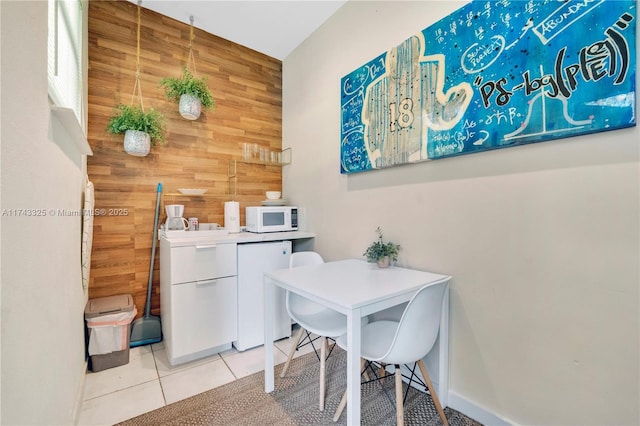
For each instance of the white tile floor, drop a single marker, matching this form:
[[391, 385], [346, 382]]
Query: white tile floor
[[148, 382]]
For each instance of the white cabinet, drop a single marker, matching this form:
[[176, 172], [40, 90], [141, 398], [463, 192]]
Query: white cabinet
[[202, 261], [204, 315], [198, 298], [253, 261]]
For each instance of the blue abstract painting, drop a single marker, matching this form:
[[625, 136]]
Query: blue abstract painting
[[493, 74]]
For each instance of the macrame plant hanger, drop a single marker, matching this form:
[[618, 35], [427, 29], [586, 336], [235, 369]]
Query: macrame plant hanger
[[137, 141], [191, 60], [137, 87], [190, 106]]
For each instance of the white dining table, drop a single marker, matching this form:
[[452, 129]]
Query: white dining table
[[355, 288]]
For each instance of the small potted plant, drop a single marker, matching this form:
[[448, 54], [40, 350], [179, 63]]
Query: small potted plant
[[141, 129], [192, 93], [382, 252]]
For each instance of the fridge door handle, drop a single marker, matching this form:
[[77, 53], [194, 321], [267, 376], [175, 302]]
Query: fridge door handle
[[206, 283]]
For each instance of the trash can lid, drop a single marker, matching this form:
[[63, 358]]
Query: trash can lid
[[108, 305]]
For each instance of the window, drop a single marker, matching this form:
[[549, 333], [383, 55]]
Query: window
[[66, 56]]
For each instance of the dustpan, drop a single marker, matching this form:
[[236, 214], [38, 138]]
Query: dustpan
[[148, 329]]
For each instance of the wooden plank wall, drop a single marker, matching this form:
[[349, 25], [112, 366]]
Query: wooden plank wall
[[247, 88]]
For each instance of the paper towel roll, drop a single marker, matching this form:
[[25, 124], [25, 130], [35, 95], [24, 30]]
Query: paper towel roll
[[232, 216]]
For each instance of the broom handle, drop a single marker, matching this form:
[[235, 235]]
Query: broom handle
[[147, 307]]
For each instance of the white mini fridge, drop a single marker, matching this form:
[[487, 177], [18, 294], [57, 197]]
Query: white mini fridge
[[253, 261]]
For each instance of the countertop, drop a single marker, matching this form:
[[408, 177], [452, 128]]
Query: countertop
[[183, 238]]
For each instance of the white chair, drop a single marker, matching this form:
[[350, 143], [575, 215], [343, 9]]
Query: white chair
[[303, 337], [312, 318], [404, 342]]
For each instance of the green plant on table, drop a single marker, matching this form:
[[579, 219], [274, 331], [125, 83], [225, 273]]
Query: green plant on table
[[132, 117], [380, 249], [188, 84]]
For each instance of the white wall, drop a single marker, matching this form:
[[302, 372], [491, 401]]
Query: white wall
[[542, 240], [43, 361]]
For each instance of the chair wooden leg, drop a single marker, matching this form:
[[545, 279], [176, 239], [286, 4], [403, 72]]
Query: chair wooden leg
[[296, 342], [434, 396], [399, 406], [343, 401], [323, 361], [382, 371], [340, 409], [364, 372]]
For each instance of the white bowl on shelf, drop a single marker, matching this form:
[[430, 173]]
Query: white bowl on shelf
[[192, 191], [273, 195]]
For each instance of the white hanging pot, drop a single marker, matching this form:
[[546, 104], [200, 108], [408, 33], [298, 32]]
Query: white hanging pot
[[137, 143], [190, 107]]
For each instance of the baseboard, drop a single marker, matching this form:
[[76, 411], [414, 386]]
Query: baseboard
[[197, 355], [458, 403], [475, 411]]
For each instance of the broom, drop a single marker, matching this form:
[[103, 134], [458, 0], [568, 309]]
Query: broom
[[147, 330]]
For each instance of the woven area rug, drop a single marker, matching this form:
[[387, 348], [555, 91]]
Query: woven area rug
[[295, 401]]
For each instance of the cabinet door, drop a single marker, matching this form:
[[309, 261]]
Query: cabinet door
[[203, 262], [204, 315]]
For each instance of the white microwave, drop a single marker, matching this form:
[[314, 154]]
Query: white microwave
[[271, 219]]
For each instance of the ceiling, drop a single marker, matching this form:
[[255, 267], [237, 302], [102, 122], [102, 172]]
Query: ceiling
[[274, 28]]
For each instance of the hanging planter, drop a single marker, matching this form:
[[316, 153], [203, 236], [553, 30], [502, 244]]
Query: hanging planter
[[191, 92], [141, 129], [137, 143], [190, 107]]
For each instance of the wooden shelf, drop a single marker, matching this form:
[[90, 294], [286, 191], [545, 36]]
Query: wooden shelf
[[178, 194]]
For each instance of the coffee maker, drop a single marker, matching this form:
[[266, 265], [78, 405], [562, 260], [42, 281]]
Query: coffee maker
[[175, 221]]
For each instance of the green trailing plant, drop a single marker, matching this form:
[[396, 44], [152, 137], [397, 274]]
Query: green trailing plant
[[131, 117], [188, 84], [380, 249]]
